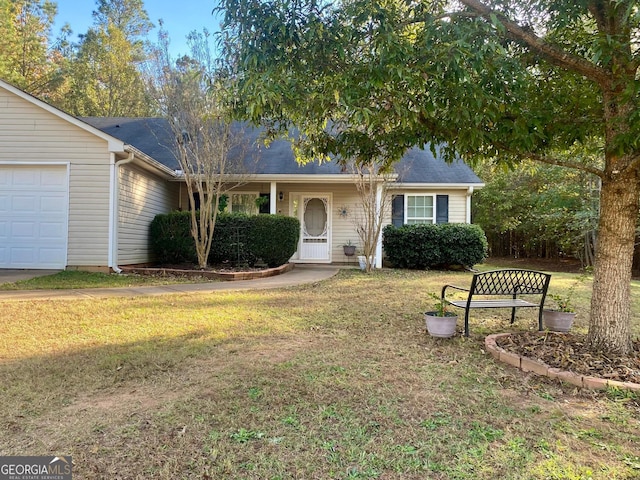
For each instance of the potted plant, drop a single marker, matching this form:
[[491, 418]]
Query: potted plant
[[440, 322], [349, 249], [260, 201], [560, 318]]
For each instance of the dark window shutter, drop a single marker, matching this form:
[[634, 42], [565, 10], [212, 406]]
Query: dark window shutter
[[196, 201], [442, 208], [397, 210], [266, 206]]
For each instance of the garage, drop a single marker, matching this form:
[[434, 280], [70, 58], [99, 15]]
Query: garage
[[34, 206]]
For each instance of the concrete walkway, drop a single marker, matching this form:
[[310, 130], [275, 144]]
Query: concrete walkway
[[299, 275]]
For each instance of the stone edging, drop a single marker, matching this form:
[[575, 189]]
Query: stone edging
[[225, 276], [529, 365]]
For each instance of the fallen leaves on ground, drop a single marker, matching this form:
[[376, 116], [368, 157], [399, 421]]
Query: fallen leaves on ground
[[571, 352]]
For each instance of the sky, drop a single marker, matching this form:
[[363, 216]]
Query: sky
[[180, 17]]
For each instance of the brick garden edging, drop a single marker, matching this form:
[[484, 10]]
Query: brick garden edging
[[226, 276], [529, 365]]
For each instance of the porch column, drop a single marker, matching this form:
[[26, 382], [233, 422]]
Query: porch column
[[469, 193], [379, 218], [273, 197]]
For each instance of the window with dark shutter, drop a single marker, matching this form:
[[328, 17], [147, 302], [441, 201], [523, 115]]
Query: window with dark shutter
[[265, 206], [442, 208], [397, 210]]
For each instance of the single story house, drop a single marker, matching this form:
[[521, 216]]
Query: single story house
[[81, 193]]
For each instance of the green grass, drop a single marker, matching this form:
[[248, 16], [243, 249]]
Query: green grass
[[330, 380], [70, 279]]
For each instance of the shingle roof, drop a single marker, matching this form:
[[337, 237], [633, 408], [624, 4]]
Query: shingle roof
[[153, 136]]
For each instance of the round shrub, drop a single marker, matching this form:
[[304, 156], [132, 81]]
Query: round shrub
[[274, 238]]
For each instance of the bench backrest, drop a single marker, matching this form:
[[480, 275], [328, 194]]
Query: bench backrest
[[510, 282]]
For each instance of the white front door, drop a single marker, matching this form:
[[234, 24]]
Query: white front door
[[314, 212]]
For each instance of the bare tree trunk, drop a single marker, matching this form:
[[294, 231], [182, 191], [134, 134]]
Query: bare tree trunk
[[369, 181], [610, 325]]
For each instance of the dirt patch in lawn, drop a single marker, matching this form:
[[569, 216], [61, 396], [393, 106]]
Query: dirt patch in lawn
[[570, 352]]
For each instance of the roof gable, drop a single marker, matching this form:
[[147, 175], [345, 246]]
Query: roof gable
[[114, 143]]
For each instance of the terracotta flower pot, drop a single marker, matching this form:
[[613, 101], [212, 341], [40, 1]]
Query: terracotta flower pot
[[441, 327], [557, 321]]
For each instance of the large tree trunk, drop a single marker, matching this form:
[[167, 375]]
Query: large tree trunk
[[610, 325]]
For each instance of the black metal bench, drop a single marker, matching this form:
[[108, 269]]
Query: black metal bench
[[513, 282]]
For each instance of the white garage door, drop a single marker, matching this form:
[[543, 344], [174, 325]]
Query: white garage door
[[33, 216]]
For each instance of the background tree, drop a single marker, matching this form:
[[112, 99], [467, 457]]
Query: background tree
[[27, 59], [128, 16], [209, 148], [537, 210], [105, 71], [502, 79], [105, 79]]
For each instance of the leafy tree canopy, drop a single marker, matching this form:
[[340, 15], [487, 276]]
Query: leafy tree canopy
[[27, 59], [104, 72], [488, 78], [410, 73], [129, 16]]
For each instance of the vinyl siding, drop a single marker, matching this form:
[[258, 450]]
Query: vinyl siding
[[30, 134], [342, 195], [344, 229], [345, 195], [457, 202], [142, 196]]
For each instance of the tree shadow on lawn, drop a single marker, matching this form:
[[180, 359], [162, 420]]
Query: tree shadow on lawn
[[374, 394], [312, 382]]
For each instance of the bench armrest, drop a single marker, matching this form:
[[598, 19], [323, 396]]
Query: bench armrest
[[444, 289]]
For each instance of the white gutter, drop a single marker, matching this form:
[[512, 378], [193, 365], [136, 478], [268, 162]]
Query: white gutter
[[291, 178], [140, 155], [113, 209], [441, 186]]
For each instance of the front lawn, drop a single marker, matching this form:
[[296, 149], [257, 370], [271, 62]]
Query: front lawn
[[329, 380], [78, 279]]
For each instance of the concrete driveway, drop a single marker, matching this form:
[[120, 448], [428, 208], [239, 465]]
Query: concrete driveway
[[10, 276]]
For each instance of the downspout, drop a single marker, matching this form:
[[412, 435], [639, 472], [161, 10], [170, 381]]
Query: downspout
[[469, 193], [115, 182]]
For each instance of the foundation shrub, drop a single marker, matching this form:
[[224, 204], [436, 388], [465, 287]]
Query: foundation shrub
[[434, 245], [238, 239]]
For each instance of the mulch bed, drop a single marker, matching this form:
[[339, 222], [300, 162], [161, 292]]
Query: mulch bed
[[219, 268], [569, 352], [226, 272]]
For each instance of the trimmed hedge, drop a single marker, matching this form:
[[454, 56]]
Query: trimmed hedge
[[170, 238], [274, 238], [230, 240], [237, 239], [434, 245]]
